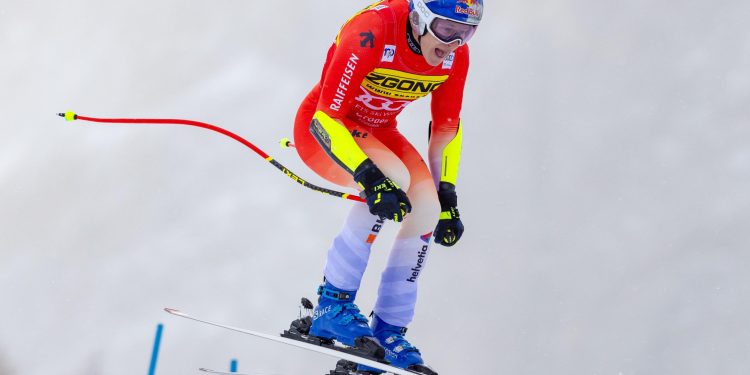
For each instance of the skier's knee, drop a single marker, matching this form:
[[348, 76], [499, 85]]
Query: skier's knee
[[425, 204], [399, 174]]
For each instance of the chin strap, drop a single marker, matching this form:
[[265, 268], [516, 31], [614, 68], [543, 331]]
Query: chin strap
[[415, 44]]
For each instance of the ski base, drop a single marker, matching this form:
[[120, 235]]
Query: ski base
[[344, 367], [209, 371], [364, 347], [337, 353]]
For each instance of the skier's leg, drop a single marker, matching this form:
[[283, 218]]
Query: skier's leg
[[350, 250], [336, 315], [317, 159], [397, 294]]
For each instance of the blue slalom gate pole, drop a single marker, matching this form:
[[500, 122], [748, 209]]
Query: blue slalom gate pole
[[233, 366], [155, 353]]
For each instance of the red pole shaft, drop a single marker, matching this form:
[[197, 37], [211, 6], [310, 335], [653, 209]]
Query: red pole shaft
[[177, 122], [72, 116]]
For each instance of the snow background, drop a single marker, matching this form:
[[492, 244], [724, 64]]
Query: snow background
[[604, 188]]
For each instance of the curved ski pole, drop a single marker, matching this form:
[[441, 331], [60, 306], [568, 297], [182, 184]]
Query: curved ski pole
[[71, 116]]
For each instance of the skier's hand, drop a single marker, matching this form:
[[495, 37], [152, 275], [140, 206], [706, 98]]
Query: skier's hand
[[449, 228], [384, 198]]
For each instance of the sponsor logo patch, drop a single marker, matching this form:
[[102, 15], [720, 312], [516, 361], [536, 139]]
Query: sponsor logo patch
[[472, 12], [378, 103], [367, 38], [320, 134], [343, 87], [426, 237], [358, 134], [375, 230], [388, 53], [395, 84], [322, 312], [421, 256], [470, 9], [448, 62]]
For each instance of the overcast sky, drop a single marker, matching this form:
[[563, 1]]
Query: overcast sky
[[604, 189]]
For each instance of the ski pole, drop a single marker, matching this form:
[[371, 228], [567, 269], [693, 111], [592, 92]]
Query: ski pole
[[233, 366], [71, 116], [155, 352]]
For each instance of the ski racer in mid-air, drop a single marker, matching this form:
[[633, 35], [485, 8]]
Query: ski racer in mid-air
[[384, 57]]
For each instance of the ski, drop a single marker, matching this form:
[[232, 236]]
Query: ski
[[344, 367], [206, 370], [301, 344]]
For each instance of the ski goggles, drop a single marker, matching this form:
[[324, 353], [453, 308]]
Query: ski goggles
[[449, 31], [444, 29]]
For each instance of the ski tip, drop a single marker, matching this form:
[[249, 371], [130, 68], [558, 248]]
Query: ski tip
[[173, 311], [218, 372], [208, 370]]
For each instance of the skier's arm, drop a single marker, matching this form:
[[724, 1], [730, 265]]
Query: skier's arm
[[358, 50], [445, 139], [359, 47], [336, 141], [445, 151], [445, 148]]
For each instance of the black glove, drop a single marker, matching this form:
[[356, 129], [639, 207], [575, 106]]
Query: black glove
[[449, 228], [384, 197]]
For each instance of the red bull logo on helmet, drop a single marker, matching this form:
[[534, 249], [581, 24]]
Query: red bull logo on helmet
[[464, 11], [471, 8], [471, 12]]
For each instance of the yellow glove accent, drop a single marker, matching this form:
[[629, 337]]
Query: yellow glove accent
[[337, 141], [446, 215], [451, 158]]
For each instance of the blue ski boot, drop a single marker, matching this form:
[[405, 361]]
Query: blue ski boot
[[399, 352], [337, 318]]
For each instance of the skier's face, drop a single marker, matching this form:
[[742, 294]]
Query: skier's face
[[434, 50]]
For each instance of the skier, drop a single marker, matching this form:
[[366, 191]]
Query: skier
[[384, 57]]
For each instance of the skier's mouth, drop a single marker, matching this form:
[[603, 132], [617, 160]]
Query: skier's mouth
[[439, 53]]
